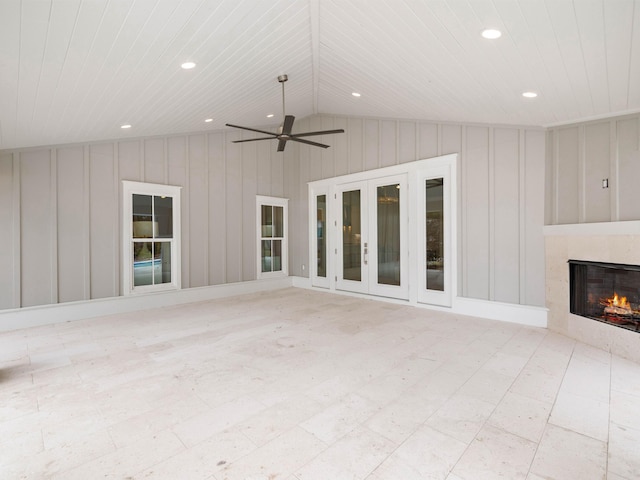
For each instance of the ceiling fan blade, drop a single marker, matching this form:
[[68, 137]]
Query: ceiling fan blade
[[281, 144], [252, 129], [252, 139], [315, 144], [323, 132], [288, 124]]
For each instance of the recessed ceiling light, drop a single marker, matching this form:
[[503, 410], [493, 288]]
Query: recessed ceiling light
[[209, 120], [270, 115], [188, 65], [530, 94], [125, 126], [356, 94], [491, 33]]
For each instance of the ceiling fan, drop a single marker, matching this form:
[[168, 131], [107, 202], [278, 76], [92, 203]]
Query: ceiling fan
[[284, 130]]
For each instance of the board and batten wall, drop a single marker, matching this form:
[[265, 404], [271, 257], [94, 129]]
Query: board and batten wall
[[60, 206], [60, 211], [579, 157], [501, 181]]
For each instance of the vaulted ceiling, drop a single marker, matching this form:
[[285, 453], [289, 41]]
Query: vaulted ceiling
[[75, 71]]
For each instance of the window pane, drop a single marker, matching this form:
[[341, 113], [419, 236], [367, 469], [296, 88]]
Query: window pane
[[266, 255], [321, 218], [351, 264], [277, 255], [162, 262], [142, 219], [435, 234], [142, 263], [163, 212], [388, 205], [267, 221], [278, 222]]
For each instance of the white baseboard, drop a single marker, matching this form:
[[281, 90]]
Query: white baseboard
[[63, 312], [26, 317], [505, 312]]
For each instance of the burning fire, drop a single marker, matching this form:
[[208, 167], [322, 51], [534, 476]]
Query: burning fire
[[617, 306], [618, 302]]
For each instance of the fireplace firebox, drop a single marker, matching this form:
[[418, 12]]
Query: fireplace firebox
[[607, 292]]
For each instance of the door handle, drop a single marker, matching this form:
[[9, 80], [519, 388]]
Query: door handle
[[366, 254]]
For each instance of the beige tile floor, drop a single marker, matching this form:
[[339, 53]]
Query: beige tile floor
[[306, 385]]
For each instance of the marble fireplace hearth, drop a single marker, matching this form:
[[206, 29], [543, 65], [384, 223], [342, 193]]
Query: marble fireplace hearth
[[614, 242]]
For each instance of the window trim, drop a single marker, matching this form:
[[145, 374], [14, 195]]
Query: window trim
[[129, 189], [273, 202]]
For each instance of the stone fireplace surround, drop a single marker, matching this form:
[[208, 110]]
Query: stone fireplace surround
[[612, 242]]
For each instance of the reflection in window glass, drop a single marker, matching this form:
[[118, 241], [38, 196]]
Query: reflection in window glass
[[162, 262], [321, 218], [278, 222], [142, 216], [266, 255], [434, 224], [143, 263], [388, 205], [267, 220], [163, 216]]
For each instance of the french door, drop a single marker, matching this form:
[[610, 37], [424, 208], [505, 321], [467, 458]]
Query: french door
[[389, 232], [371, 238]]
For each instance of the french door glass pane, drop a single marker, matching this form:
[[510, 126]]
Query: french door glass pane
[[321, 208], [351, 263], [162, 262], [142, 263], [434, 224], [278, 222], [266, 255], [388, 217], [163, 216]]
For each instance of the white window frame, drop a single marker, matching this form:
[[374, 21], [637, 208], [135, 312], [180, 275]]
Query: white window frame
[[128, 190], [261, 201]]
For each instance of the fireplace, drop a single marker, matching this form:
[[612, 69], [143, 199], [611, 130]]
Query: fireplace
[[607, 292]]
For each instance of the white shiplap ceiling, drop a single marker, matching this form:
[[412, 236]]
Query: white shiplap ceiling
[[74, 71]]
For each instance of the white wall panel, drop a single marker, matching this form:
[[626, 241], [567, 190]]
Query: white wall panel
[[532, 276], [371, 144], [628, 175], [72, 254], [233, 214], [155, 168], [7, 232], [217, 209], [567, 183], [81, 226], [427, 140], [340, 146], [104, 214], [501, 177], [36, 237], [177, 155], [248, 212], [581, 157], [355, 134], [506, 250], [388, 143], [129, 160], [476, 204], [407, 142], [595, 199], [197, 194]]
